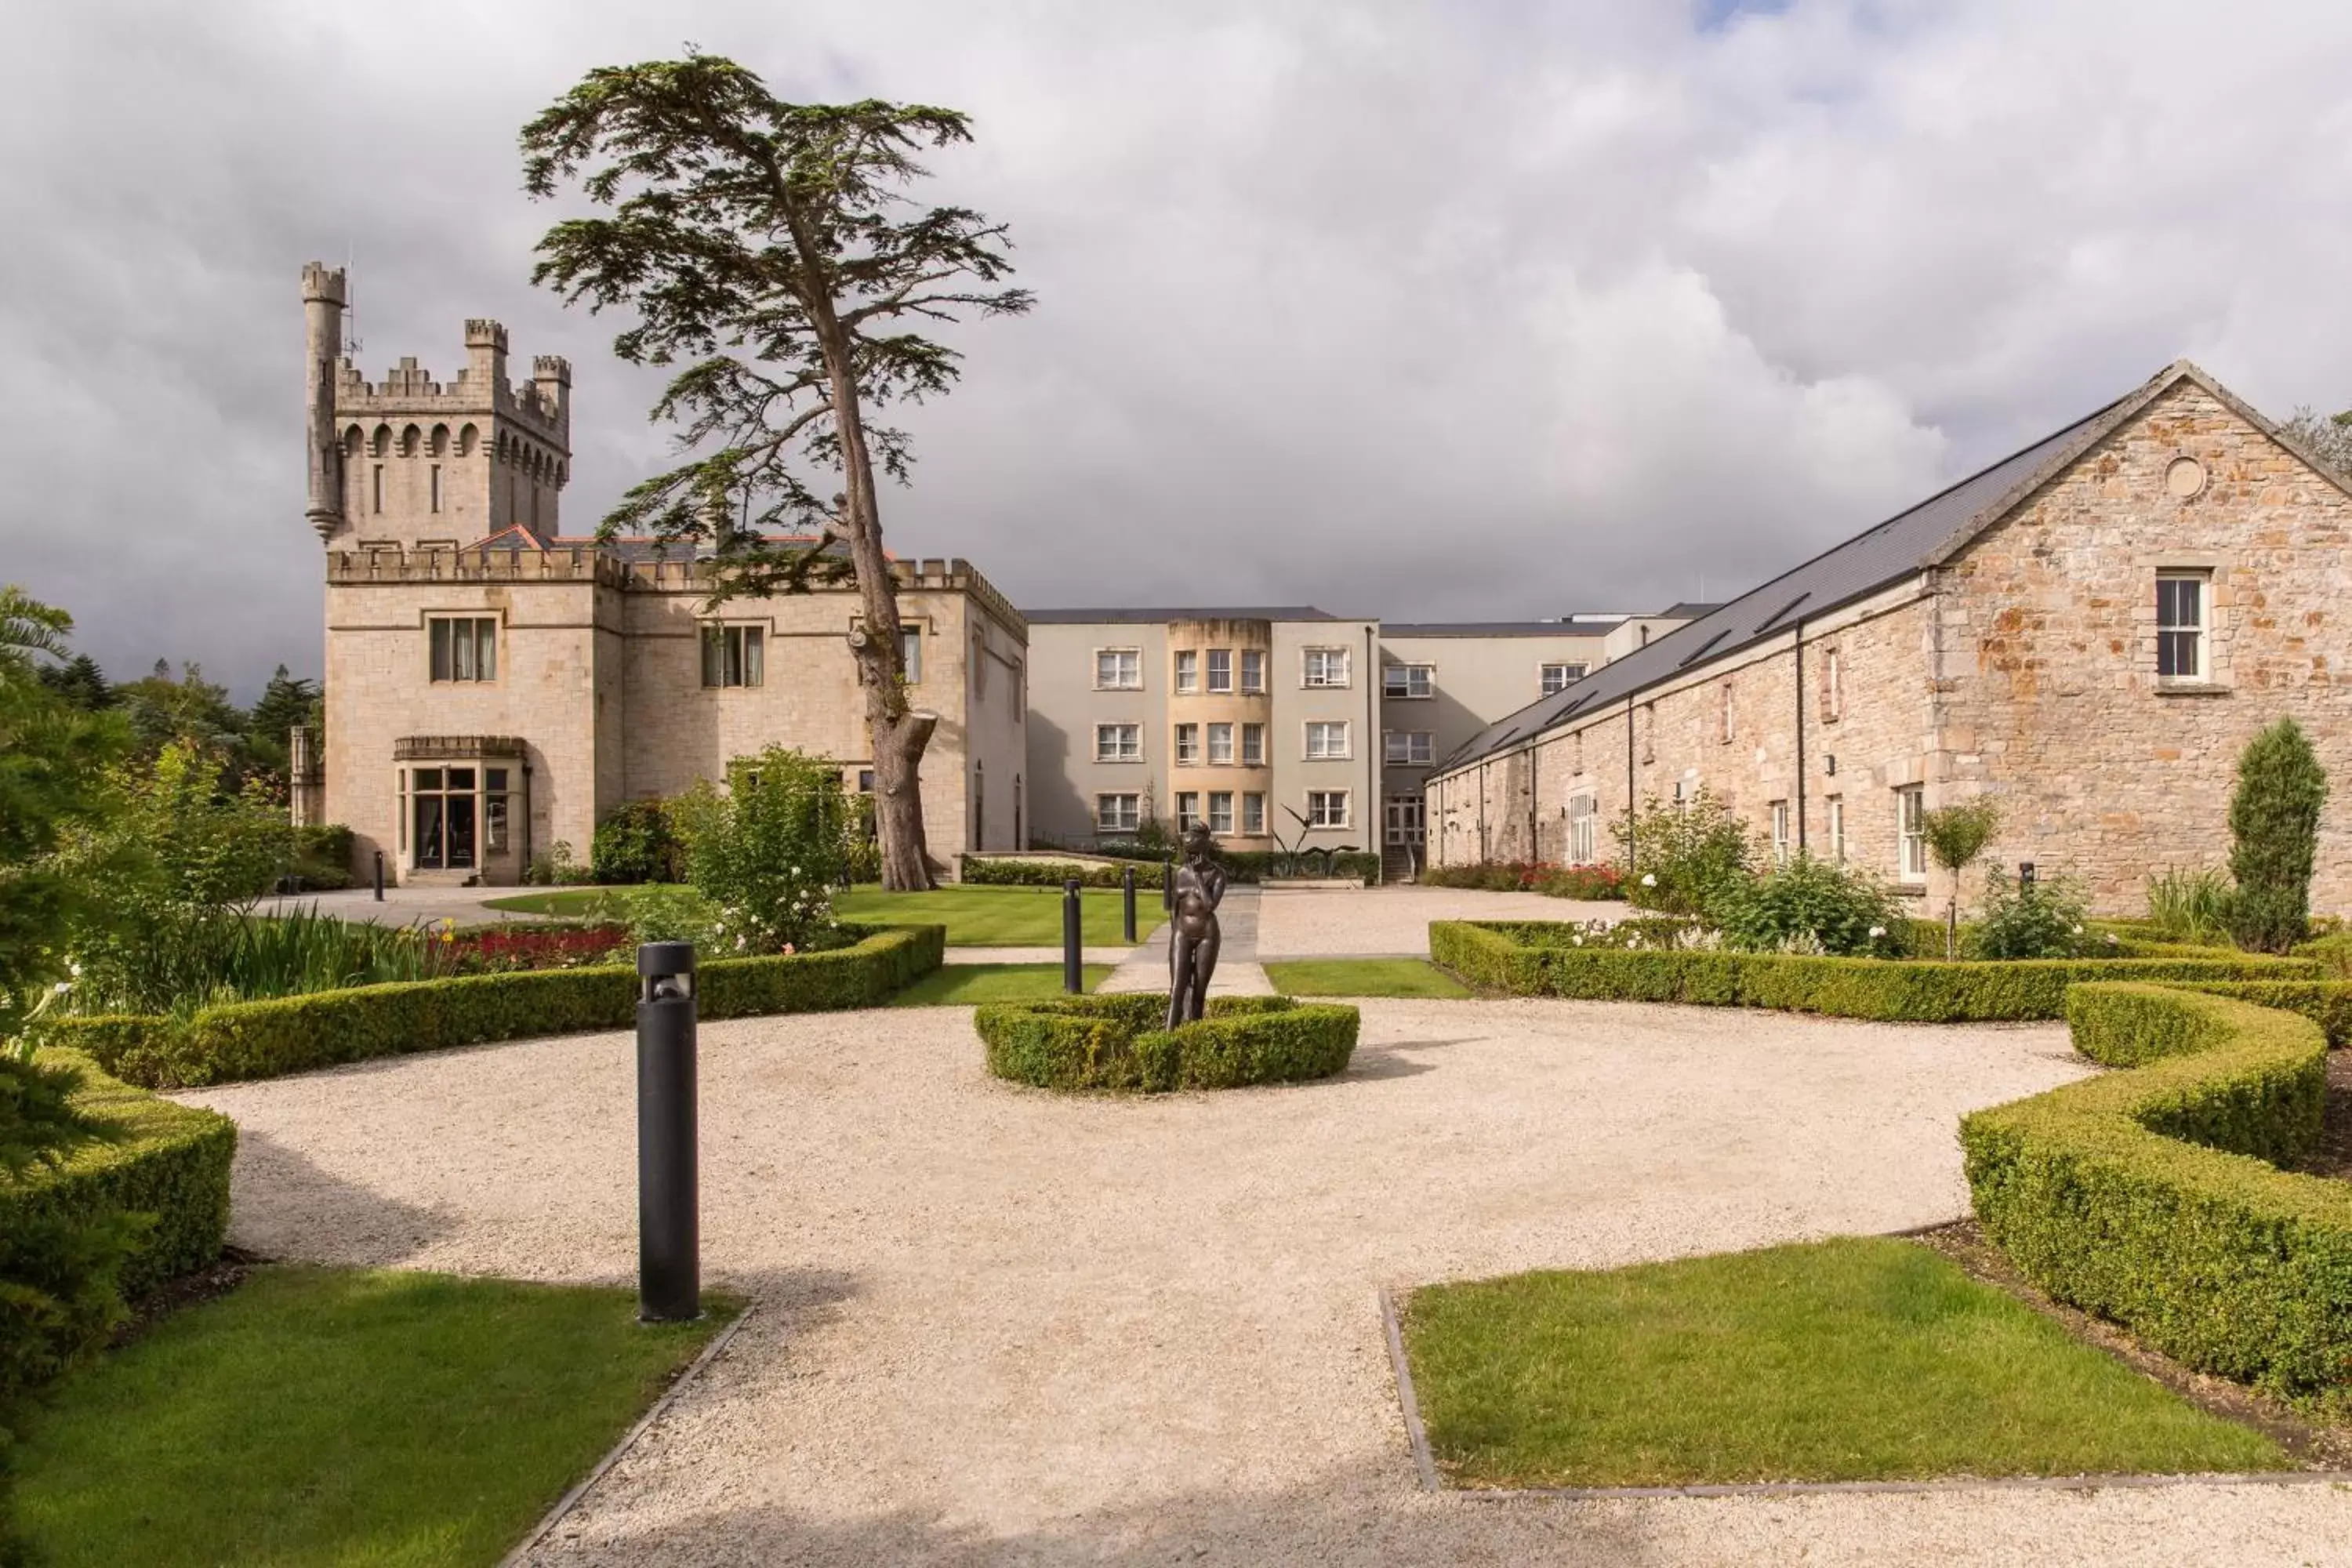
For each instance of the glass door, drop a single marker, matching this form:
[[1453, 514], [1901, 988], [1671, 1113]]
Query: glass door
[[1404, 819]]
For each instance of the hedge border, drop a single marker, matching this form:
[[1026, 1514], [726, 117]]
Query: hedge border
[[1495, 954], [172, 1162], [1080, 1043], [248, 1040], [2152, 1196]]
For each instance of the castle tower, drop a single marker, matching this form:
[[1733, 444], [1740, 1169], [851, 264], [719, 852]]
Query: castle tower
[[414, 462], [322, 318]]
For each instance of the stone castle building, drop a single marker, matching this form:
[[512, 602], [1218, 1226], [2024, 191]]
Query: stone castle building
[[2089, 630], [495, 687]]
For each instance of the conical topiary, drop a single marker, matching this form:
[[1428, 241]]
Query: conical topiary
[[2274, 837]]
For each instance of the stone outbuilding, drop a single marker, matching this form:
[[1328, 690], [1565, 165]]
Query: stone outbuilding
[[2089, 630]]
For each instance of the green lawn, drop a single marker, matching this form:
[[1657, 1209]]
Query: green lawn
[[1363, 977], [975, 917], [326, 1416], [969, 984], [1850, 1360]]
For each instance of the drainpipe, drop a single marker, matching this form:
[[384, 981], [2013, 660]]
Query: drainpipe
[[1483, 854], [1376, 800], [1633, 852], [1801, 736]]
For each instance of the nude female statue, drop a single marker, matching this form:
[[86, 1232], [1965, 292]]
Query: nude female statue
[[1193, 927]]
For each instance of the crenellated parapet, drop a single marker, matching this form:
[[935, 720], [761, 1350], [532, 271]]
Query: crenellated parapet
[[572, 564]]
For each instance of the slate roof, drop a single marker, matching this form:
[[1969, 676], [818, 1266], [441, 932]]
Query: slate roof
[[1582, 627], [1909, 542], [1140, 616]]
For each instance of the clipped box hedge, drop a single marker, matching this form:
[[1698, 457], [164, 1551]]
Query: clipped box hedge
[[1116, 1042], [299, 1033], [171, 1163], [980, 871], [1537, 958], [2152, 1196]]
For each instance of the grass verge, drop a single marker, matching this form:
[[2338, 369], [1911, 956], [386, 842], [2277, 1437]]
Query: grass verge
[[970, 985], [1364, 977], [1858, 1359], [362, 1419], [975, 917]]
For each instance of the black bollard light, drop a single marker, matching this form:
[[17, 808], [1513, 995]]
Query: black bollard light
[[379, 875], [669, 1223], [1073, 974], [1126, 900]]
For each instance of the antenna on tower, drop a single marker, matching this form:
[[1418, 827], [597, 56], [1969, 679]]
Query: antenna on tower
[[351, 306]]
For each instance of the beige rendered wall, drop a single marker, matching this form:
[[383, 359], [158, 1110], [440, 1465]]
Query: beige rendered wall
[[1295, 704], [1063, 708], [1479, 679], [1202, 707]]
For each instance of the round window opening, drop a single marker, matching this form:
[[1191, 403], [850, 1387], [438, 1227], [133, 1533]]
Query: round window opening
[[2185, 477]]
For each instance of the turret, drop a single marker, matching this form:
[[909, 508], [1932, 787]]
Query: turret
[[551, 377], [324, 298], [486, 356]]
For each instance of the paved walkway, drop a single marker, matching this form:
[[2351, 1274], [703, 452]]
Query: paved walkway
[[401, 905], [1000, 1326], [1301, 923], [1238, 972]]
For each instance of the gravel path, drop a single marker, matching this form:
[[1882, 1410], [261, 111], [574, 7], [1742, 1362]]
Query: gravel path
[[1001, 1327], [1393, 922]]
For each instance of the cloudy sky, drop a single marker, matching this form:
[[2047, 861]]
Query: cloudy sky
[[1441, 311]]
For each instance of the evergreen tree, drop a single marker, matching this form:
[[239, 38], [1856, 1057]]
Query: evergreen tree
[[285, 702], [162, 709], [2274, 837], [80, 683]]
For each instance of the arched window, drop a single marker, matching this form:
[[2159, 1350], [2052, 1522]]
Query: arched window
[[467, 439], [440, 441], [380, 444], [410, 440], [353, 438]]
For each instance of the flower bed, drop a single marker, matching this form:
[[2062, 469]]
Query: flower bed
[[298, 1034], [2152, 1196], [1542, 959], [1116, 1042]]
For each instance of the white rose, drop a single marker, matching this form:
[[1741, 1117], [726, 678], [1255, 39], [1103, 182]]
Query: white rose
[[2078, 931], [1649, 879], [1878, 930]]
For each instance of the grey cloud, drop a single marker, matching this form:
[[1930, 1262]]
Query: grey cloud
[[1419, 310]]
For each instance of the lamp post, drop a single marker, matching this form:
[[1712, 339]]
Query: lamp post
[[669, 1226]]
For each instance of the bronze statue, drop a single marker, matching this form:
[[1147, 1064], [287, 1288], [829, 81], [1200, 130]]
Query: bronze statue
[[1192, 927]]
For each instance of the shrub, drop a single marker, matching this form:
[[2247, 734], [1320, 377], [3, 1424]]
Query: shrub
[[2332, 953], [553, 866], [322, 855], [237, 957], [1542, 959], [1686, 857], [2032, 920], [2274, 837], [635, 844], [1595, 883], [1954, 836], [2190, 905], [1813, 906], [1116, 1042], [299, 1033], [768, 852], [2147, 1196], [980, 871]]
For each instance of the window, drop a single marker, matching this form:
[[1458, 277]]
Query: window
[[1221, 669], [1187, 809], [2180, 625], [1220, 745], [1188, 743], [1118, 743], [1833, 687], [378, 502], [1254, 814], [1326, 808], [1327, 739], [1326, 666], [494, 809], [1188, 671], [1837, 827], [1910, 809], [733, 656], [1253, 745], [1583, 814], [1409, 681], [910, 653], [437, 487], [1556, 677], [1728, 731], [1253, 670], [1119, 670], [442, 812], [1117, 813], [1414, 748], [1779, 832], [1221, 811], [465, 647]]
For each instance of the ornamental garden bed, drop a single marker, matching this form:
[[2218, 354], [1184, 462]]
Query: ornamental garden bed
[[1542, 959], [1078, 1043], [324, 1028]]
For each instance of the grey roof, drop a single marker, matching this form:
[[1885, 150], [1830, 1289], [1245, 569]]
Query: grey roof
[[1688, 610], [1905, 543], [1135, 616], [1595, 628]]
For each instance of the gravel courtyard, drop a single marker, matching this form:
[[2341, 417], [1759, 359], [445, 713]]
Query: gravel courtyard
[[997, 1326]]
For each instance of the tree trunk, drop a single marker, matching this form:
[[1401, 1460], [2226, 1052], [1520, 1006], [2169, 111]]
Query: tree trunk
[[1952, 928], [899, 745]]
